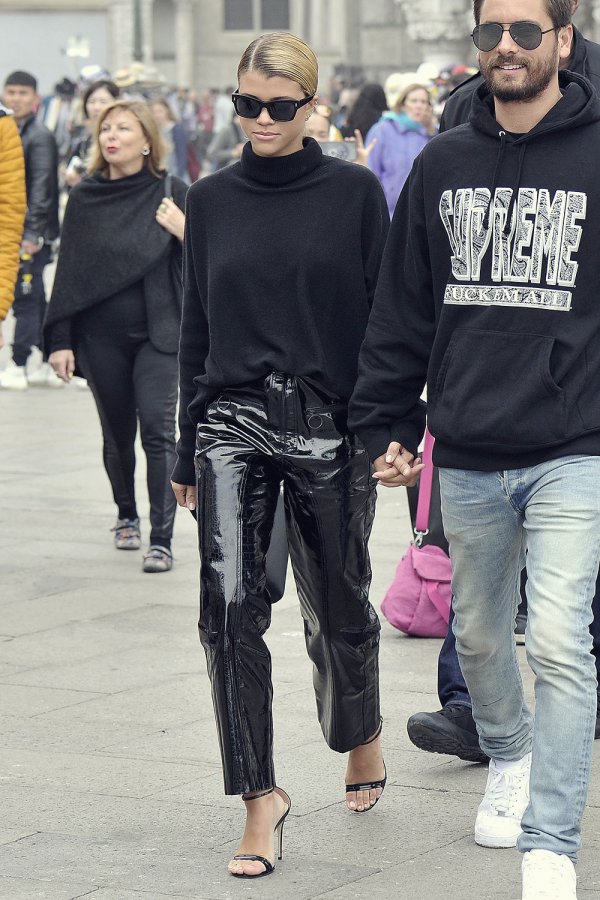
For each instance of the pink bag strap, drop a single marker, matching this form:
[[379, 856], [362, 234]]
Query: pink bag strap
[[439, 601], [425, 485]]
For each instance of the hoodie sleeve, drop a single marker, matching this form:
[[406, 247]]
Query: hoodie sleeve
[[393, 361]]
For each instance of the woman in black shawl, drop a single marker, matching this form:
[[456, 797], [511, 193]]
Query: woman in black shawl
[[115, 312]]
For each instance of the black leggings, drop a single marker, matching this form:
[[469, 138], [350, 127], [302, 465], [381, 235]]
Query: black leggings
[[130, 379]]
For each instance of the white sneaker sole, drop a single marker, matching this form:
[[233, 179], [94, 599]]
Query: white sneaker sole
[[495, 841], [14, 387]]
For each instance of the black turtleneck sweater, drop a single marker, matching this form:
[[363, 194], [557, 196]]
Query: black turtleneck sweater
[[281, 261]]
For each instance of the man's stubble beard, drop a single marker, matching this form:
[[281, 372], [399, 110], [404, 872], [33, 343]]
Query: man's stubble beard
[[535, 84]]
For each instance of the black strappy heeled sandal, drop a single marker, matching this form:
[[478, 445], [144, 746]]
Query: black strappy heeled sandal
[[370, 785], [277, 831]]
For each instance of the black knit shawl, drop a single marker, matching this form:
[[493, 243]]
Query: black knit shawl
[[110, 240]]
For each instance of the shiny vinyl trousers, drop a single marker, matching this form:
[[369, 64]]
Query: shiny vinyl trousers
[[287, 430]]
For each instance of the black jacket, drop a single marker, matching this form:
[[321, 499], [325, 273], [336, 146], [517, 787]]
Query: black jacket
[[585, 60], [41, 179], [488, 290]]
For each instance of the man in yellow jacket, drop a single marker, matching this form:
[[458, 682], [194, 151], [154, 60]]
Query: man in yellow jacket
[[12, 209]]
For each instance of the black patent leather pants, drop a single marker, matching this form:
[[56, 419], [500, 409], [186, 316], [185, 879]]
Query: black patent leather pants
[[284, 430]]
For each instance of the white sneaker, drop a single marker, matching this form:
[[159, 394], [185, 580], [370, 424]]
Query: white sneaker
[[14, 379], [548, 876], [498, 822], [45, 376]]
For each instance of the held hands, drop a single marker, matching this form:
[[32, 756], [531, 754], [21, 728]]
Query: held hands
[[185, 494], [170, 217], [63, 363], [397, 467]]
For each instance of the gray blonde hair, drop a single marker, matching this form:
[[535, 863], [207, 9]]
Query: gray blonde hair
[[285, 55]]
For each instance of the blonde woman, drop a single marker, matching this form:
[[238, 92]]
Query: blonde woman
[[277, 291], [398, 138], [115, 312]]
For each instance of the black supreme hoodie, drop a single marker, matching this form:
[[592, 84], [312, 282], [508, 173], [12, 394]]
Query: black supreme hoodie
[[489, 292]]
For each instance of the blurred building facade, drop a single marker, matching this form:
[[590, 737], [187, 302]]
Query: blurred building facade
[[196, 43]]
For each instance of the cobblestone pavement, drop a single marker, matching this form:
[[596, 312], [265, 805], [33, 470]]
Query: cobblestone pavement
[[110, 778]]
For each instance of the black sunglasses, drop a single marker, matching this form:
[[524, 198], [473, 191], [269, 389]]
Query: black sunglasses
[[527, 35], [279, 110]]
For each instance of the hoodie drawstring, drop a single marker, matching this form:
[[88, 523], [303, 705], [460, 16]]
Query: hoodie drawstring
[[499, 158], [513, 199], [495, 179]]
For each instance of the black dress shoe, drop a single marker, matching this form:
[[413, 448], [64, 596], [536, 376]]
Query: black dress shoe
[[450, 730]]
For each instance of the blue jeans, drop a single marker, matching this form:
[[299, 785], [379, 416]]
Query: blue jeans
[[29, 310], [490, 518]]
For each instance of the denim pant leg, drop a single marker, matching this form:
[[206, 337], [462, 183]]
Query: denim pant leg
[[486, 539], [451, 683], [29, 310], [595, 630], [562, 523], [557, 506]]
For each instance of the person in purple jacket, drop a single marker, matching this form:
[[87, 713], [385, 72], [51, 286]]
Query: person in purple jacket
[[399, 136]]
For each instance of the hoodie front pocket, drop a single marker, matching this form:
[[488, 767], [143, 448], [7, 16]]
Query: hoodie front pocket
[[496, 389]]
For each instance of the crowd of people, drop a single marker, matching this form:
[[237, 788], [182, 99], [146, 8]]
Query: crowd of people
[[462, 270]]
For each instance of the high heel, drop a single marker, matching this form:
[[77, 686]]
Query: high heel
[[370, 785], [277, 832], [279, 827]]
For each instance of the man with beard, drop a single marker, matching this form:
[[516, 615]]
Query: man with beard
[[583, 59], [451, 729], [488, 292]]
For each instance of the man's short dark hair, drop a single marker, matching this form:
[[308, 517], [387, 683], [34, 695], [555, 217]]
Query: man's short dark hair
[[22, 79], [558, 10]]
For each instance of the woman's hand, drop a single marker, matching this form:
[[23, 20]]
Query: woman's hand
[[63, 363], [170, 217], [185, 494], [362, 152], [72, 177], [397, 467]]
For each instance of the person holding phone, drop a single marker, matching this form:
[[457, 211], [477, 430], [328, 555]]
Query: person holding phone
[[277, 292], [321, 128]]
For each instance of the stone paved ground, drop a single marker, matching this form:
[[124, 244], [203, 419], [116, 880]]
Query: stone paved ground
[[110, 785]]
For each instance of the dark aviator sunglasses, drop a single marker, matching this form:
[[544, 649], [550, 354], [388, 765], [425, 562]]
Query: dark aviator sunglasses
[[527, 35], [279, 110]]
